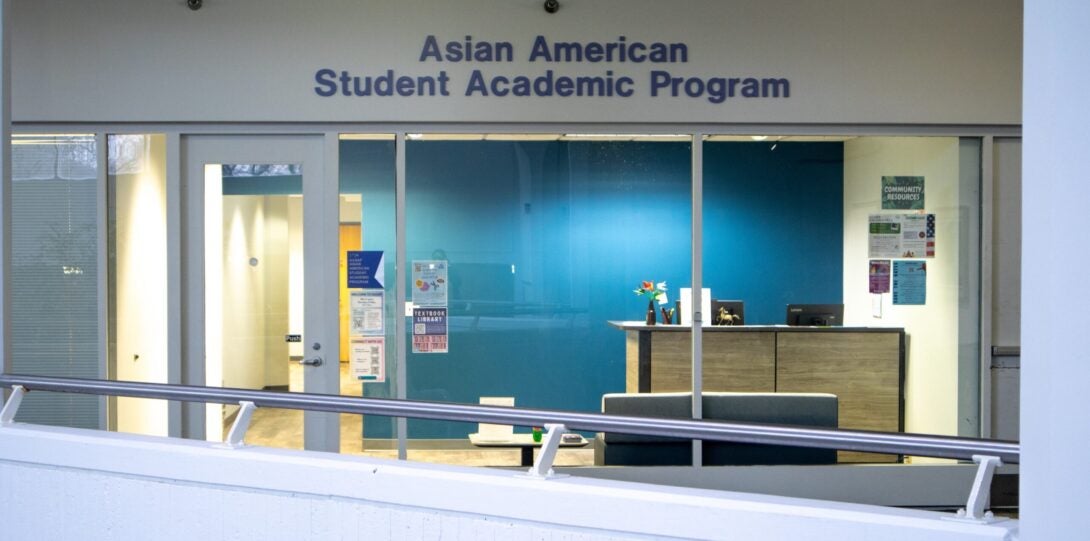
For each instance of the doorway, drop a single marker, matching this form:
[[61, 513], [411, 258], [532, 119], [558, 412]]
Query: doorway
[[261, 283]]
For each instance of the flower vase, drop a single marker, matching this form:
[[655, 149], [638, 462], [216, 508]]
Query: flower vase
[[650, 312]]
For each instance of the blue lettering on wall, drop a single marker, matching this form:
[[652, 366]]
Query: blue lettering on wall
[[550, 84], [467, 50], [715, 89], [324, 77], [613, 51], [386, 84]]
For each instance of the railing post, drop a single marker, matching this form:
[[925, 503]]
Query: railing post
[[981, 491], [543, 466], [7, 415], [241, 424]]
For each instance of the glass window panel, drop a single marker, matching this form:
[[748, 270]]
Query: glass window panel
[[803, 221], [367, 222], [54, 273], [254, 293], [545, 241]]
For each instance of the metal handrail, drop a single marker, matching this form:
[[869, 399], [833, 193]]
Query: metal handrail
[[822, 438]]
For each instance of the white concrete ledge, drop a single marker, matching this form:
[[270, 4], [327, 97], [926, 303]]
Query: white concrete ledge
[[58, 482]]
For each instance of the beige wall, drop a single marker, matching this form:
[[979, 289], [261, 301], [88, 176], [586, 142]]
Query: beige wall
[[256, 276], [849, 61], [253, 287], [931, 380], [141, 289]]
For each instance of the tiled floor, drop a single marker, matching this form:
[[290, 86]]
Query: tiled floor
[[284, 428]]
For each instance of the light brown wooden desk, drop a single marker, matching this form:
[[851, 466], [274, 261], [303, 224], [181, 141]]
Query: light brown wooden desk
[[863, 366]]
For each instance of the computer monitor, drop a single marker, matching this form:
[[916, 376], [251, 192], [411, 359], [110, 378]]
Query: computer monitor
[[728, 313], [821, 315]]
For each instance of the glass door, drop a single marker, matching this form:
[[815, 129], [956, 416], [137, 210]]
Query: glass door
[[260, 287]]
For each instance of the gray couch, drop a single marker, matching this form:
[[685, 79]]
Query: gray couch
[[801, 409]]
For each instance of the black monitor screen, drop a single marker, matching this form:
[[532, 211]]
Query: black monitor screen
[[728, 313], [821, 315]]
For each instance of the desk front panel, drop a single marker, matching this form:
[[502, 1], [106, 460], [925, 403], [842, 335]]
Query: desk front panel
[[736, 362], [862, 369]]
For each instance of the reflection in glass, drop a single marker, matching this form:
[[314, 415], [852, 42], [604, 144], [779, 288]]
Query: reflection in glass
[[54, 273]]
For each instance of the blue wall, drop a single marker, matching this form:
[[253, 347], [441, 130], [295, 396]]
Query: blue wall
[[582, 223], [773, 225]]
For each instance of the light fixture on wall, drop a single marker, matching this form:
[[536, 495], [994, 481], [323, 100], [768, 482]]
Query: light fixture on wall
[[552, 6], [194, 4]]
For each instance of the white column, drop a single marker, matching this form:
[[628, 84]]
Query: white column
[[1055, 484]]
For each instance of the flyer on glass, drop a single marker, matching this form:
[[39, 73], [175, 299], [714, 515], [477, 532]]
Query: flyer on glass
[[366, 311], [430, 283], [429, 330], [367, 355]]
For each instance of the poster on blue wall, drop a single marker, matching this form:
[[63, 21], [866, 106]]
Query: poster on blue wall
[[365, 269], [909, 282]]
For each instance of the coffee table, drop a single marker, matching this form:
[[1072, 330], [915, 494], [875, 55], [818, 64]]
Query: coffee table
[[525, 442]]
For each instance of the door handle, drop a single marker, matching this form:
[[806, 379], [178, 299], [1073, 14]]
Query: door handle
[[313, 361]]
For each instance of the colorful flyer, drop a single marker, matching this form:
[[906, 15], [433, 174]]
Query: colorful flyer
[[909, 282], [918, 235], [879, 275], [367, 358], [366, 313], [885, 235], [429, 330], [430, 283], [901, 235], [903, 193]]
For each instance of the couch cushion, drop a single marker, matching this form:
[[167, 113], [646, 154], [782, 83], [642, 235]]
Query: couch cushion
[[804, 409], [667, 405], [800, 409]]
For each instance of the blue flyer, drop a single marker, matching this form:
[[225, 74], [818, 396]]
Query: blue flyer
[[365, 270], [909, 282]]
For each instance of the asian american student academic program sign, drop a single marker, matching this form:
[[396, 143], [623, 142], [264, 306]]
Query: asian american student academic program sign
[[619, 68]]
